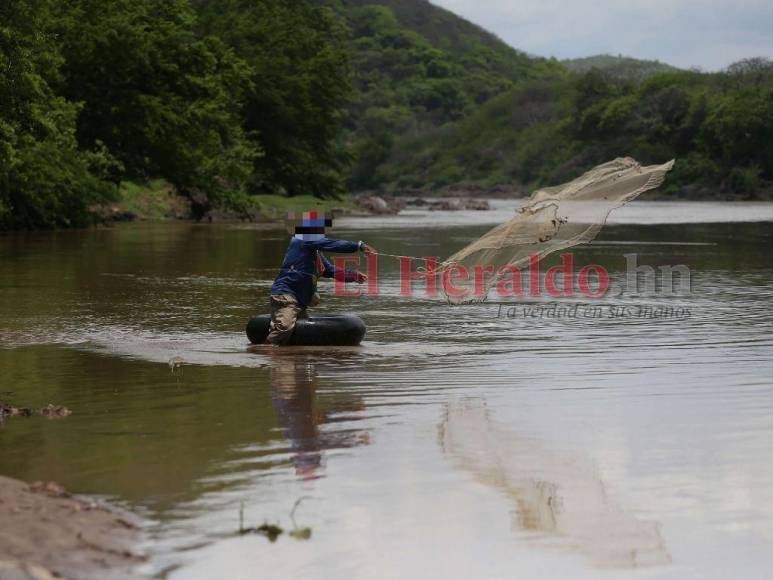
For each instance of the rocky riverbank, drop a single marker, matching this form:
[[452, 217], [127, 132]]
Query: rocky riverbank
[[390, 205], [156, 201], [47, 533]]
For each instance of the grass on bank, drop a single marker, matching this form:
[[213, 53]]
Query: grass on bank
[[275, 206], [156, 201]]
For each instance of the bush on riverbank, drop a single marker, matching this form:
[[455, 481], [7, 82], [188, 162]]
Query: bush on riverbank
[[157, 200]]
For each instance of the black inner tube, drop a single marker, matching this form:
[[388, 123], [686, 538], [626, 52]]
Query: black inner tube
[[316, 330]]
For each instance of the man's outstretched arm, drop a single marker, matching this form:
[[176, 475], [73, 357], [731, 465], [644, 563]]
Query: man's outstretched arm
[[331, 271], [340, 246]]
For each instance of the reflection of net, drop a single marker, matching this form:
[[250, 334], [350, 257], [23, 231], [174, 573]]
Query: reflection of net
[[554, 218], [555, 493]]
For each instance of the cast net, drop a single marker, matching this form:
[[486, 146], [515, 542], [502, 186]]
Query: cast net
[[553, 219]]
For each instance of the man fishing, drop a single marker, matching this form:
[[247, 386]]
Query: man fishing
[[295, 288]]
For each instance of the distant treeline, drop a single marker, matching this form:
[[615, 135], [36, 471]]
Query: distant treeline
[[225, 99], [718, 126]]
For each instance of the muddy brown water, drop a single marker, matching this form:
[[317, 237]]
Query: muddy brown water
[[456, 442]]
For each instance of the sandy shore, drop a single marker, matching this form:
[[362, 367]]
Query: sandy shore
[[47, 533]]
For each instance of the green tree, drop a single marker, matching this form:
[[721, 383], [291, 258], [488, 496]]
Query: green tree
[[164, 101], [45, 181], [299, 70], [739, 129]]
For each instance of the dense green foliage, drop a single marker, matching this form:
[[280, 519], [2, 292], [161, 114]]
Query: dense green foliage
[[440, 103], [45, 179], [225, 99], [418, 67], [718, 126], [162, 100], [299, 85], [219, 98]]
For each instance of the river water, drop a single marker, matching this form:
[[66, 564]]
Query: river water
[[477, 441]]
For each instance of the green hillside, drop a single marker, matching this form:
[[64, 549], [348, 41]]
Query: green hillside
[[440, 104], [453, 34], [417, 67], [547, 131]]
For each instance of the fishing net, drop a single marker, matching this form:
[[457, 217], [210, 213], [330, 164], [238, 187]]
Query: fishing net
[[553, 219]]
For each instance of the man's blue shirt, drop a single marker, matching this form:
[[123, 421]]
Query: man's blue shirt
[[299, 272]]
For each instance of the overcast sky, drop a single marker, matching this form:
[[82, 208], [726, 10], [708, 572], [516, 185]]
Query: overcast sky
[[709, 34]]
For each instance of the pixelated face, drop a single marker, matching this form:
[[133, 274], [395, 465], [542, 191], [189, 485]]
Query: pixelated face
[[310, 225]]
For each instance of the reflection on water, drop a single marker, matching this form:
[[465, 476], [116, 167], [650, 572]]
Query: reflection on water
[[598, 429], [293, 396], [553, 493]]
